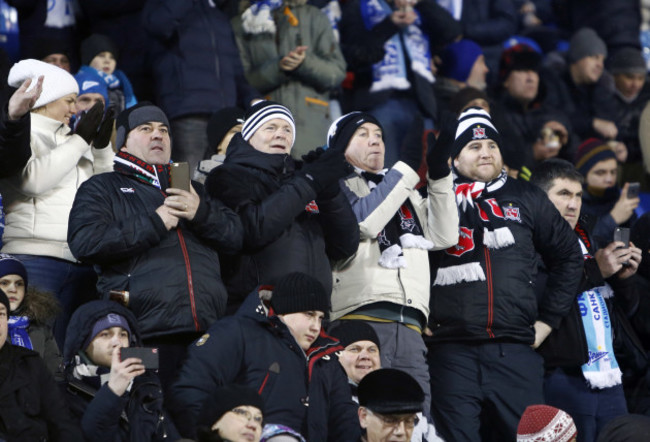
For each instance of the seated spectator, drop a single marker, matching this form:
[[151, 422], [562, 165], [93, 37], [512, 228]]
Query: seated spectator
[[38, 200], [602, 199], [387, 46], [523, 114], [233, 414], [54, 51], [32, 313], [462, 65], [290, 55], [468, 97], [389, 401], [271, 345], [545, 423], [99, 55], [386, 283], [293, 220], [222, 126], [32, 407], [114, 399], [632, 94]]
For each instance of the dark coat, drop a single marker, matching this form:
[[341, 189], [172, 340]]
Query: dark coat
[[627, 117], [597, 208], [194, 58], [15, 149], [488, 22], [280, 235], [362, 48], [135, 416], [32, 407], [307, 392], [504, 306], [172, 276]]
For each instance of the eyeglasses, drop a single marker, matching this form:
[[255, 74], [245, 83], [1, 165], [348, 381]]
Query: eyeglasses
[[392, 420], [257, 418]]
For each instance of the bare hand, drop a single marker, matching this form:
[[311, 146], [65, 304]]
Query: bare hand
[[542, 152], [620, 150], [181, 203], [427, 332], [293, 59], [22, 101], [403, 18], [123, 372], [170, 221], [624, 207], [559, 129], [605, 128], [610, 259], [542, 330], [633, 260]]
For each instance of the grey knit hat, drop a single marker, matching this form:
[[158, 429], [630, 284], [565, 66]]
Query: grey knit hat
[[627, 61], [584, 43], [129, 119]]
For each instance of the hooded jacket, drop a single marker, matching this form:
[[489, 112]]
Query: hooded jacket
[[172, 276], [138, 414], [284, 229], [306, 391]]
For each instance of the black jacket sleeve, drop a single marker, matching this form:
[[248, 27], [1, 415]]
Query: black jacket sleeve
[[559, 248], [15, 148], [339, 226]]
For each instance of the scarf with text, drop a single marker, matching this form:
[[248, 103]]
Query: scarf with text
[[602, 370], [155, 175], [18, 326], [403, 231], [390, 73], [482, 223]]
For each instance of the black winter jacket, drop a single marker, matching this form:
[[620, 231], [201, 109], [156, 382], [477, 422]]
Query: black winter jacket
[[137, 415], [504, 306], [306, 391], [15, 149], [280, 235], [172, 276], [32, 408], [194, 58]]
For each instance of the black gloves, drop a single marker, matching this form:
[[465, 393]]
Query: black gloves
[[93, 130], [411, 154], [438, 151], [323, 169]]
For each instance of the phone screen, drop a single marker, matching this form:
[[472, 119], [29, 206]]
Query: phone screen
[[149, 356], [180, 178], [633, 190], [622, 234]]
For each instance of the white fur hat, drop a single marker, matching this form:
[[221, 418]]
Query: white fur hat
[[57, 82]]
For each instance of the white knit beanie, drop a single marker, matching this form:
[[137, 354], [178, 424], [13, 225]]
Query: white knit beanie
[[57, 82]]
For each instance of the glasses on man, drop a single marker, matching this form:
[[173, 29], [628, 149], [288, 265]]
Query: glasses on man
[[393, 420], [257, 418]]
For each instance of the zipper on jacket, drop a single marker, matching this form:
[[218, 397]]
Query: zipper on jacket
[[488, 272], [190, 283]]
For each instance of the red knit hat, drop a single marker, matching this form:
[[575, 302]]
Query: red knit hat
[[543, 423]]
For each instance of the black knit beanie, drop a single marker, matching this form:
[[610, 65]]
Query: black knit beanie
[[299, 292], [4, 301], [474, 124], [225, 399], [129, 119], [221, 122], [95, 44], [341, 130], [349, 332]]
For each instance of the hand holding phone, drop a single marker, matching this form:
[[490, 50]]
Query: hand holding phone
[[633, 190], [148, 356], [180, 176], [622, 234]]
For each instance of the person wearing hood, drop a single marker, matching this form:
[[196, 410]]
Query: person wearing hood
[[294, 220], [276, 345], [114, 400]]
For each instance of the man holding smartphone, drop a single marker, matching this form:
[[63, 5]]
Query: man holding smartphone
[[107, 393], [152, 242]]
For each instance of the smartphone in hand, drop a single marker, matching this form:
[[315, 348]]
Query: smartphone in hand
[[149, 356], [180, 176], [633, 190]]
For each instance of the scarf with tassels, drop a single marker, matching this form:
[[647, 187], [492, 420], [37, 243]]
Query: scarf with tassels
[[18, 334], [155, 175], [403, 231], [482, 223]]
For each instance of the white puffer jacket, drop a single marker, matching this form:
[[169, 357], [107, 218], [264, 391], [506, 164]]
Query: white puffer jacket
[[37, 202]]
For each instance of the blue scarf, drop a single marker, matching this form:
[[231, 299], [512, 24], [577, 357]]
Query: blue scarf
[[601, 371], [390, 73], [18, 326]]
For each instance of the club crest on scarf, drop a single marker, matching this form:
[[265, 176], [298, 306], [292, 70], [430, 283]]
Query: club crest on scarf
[[465, 242]]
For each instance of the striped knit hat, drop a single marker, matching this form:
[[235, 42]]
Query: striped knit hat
[[264, 111], [543, 423], [590, 152], [474, 124]]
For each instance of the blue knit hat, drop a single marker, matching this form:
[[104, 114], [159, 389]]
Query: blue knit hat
[[10, 265], [458, 59], [90, 82], [109, 321]]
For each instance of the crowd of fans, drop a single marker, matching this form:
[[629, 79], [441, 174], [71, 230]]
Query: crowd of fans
[[311, 220]]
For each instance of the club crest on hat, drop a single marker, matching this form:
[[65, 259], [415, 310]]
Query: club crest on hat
[[478, 133]]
